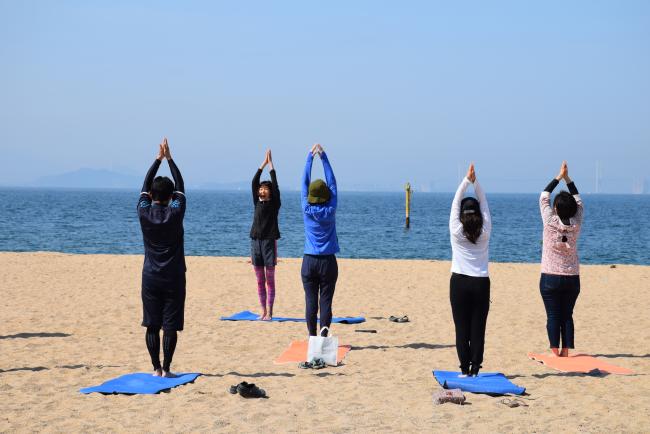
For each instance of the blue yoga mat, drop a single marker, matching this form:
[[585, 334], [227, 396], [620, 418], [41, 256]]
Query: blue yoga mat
[[140, 383], [488, 382], [247, 315]]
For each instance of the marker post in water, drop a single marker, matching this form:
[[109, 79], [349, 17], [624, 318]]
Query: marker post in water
[[408, 204]]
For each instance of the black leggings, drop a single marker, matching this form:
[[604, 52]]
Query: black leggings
[[170, 337], [470, 303]]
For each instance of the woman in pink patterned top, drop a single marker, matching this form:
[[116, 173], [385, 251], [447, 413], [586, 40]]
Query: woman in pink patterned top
[[560, 281]]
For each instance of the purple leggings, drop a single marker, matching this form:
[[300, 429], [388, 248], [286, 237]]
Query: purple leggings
[[265, 281]]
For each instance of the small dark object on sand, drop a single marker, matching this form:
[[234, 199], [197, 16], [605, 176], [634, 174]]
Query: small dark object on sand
[[455, 396]]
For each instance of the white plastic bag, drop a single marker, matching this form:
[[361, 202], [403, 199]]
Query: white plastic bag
[[323, 347]]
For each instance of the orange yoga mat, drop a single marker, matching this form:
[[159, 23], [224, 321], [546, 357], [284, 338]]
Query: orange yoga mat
[[581, 363], [297, 352]]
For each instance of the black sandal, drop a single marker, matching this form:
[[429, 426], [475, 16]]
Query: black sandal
[[398, 319], [247, 390]]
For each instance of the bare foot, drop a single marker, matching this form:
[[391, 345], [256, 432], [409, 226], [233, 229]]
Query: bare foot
[[565, 352], [270, 315], [263, 316], [169, 374], [555, 352], [158, 373]]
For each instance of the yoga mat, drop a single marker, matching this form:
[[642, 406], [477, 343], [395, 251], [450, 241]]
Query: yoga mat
[[580, 363], [297, 352], [247, 315], [140, 383], [493, 383]]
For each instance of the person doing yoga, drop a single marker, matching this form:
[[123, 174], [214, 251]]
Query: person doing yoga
[[470, 226], [559, 283], [319, 267], [161, 208], [264, 235]]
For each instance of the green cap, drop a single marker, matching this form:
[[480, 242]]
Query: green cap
[[318, 192]]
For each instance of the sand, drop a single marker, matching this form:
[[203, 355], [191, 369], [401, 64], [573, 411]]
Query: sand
[[71, 321]]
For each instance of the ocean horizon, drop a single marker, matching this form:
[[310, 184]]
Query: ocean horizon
[[370, 225]]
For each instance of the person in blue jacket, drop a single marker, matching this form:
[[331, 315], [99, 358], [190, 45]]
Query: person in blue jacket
[[319, 268]]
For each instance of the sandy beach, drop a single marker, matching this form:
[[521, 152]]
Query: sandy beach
[[72, 321]]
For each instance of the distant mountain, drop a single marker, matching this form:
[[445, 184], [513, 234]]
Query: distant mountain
[[90, 178]]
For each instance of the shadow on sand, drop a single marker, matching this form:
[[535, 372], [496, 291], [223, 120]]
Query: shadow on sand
[[36, 335], [414, 346]]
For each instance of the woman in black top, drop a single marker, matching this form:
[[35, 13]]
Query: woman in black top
[[264, 235]]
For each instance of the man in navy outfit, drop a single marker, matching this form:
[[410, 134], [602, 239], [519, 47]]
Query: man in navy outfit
[[161, 208]]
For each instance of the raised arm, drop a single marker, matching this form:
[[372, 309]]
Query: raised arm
[[255, 185], [485, 209], [179, 185], [330, 179], [545, 201], [151, 174], [306, 179], [576, 195], [275, 196], [455, 226], [144, 201]]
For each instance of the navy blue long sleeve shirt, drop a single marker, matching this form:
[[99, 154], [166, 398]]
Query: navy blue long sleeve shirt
[[162, 227]]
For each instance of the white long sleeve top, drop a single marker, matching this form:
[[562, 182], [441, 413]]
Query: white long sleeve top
[[466, 257]]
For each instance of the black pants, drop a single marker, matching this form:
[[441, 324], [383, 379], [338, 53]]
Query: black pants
[[470, 303], [559, 294], [319, 274], [163, 301]]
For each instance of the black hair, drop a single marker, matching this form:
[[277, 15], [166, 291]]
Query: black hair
[[162, 189], [268, 184], [471, 218], [565, 205]]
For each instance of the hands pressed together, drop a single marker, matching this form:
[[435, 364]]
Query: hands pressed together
[[471, 174], [268, 159], [564, 173], [163, 150], [317, 149]]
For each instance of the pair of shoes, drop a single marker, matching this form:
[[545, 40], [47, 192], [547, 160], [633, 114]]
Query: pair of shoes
[[398, 319], [247, 390], [314, 364]]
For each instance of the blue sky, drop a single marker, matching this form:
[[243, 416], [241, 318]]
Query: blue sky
[[395, 91]]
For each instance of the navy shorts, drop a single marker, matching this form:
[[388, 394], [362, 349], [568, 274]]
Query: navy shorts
[[163, 302], [264, 253]]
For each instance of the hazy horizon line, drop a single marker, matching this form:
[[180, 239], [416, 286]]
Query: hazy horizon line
[[233, 190]]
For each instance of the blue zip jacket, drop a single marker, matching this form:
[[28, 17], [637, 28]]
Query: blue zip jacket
[[320, 219]]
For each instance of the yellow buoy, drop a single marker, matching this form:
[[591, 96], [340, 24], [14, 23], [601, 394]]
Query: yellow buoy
[[408, 204]]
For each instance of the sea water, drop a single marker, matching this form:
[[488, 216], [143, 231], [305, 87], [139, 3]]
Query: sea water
[[616, 228]]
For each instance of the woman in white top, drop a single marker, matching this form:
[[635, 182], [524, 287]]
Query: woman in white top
[[469, 288]]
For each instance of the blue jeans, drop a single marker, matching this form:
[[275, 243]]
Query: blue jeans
[[559, 294]]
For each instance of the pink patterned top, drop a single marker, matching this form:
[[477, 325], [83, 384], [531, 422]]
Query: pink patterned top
[[558, 256]]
